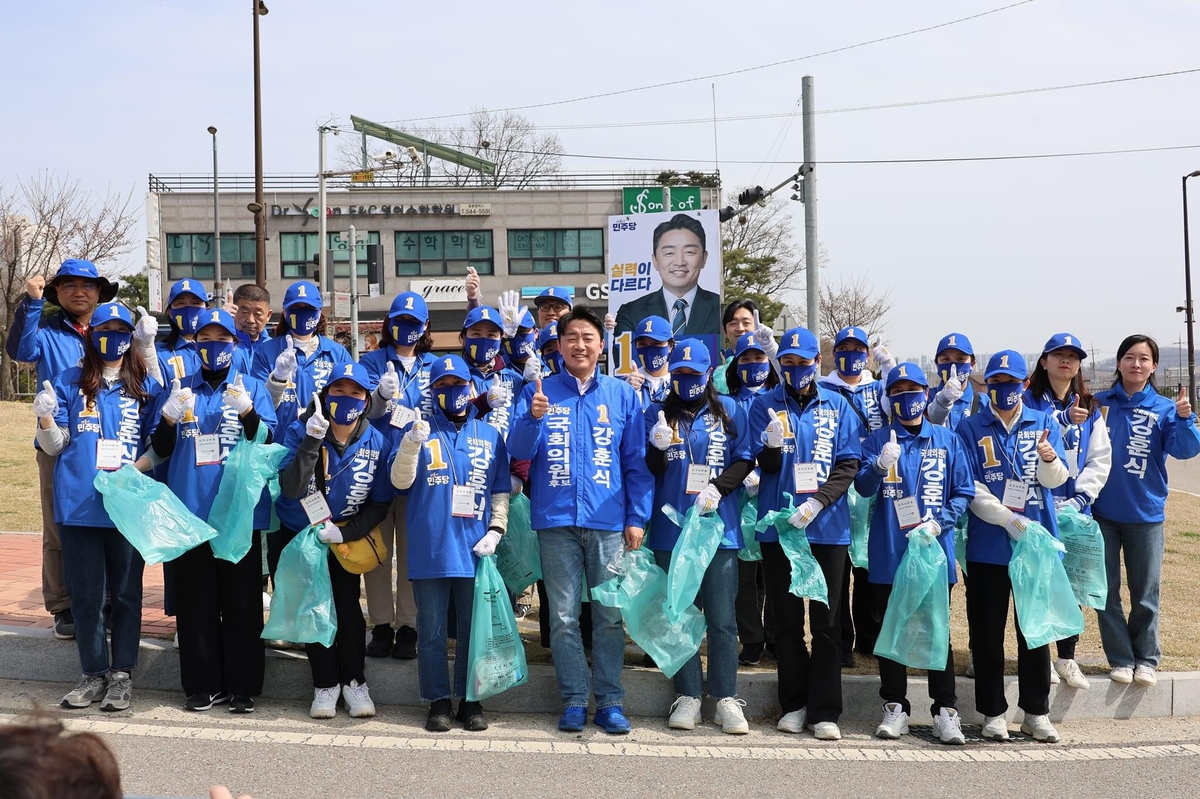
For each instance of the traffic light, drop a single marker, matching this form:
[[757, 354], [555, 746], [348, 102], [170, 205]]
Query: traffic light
[[374, 262], [751, 196], [316, 267], [727, 213]]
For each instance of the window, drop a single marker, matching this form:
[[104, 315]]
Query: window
[[426, 253], [191, 255], [562, 251], [296, 252]]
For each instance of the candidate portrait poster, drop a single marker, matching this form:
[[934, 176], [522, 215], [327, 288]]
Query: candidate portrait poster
[[664, 264]]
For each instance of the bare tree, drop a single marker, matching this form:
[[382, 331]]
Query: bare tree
[[854, 301]]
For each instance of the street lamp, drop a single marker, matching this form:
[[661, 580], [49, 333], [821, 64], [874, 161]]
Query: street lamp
[[260, 223], [1189, 315], [216, 218]]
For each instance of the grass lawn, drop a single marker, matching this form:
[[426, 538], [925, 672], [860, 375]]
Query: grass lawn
[[20, 508]]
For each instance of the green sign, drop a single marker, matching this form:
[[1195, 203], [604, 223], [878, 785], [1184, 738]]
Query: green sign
[[654, 199], [685, 198]]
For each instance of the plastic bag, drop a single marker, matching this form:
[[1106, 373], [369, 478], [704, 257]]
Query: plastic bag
[[518, 557], [497, 656], [154, 521], [302, 605], [249, 468], [699, 538], [640, 592], [960, 542], [916, 624], [808, 581], [1084, 560], [750, 550], [860, 526], [1046, 605]]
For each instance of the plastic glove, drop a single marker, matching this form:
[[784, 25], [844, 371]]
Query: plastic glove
[[145, 329], [486, 545], [389, 383], [472, 283], [926, 532], [888, 456], [237, 397], [178, 403], [661, 434], [773, 435], [517, 485], [1016, 526], [533, 369], [952, 389], [499, 393], [317, 424], [805, 514], [610, 323], [329, 533], [1075, 503], [708, 500], [883, 357], [285, 363], [45, 404], [636, 380], [510, 312], [751, 483], [419, 432], [765, 337]]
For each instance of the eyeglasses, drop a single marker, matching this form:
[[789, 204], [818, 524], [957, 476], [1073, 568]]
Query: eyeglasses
[[78, 285]]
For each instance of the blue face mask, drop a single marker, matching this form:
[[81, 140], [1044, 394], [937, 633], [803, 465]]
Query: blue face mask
[[554, 362], [654, 357], [689, 387], [303, 320], [850, 363], [798, 377], [111, 344], [519, 346], [907, 406], [406, 332], [479, 350], [215, 355], [452, 400], [345, 410], [1005, 396], [962, 369], [185, 318], [754, 374]]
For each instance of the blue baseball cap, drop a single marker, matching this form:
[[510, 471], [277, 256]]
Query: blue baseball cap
[[354, 372], [560, 293], [77, 267], [955, 341], [1006, 362], [302, 292], [907, 371], [527, 321], [799, 341], [1065, 341], [216, 316], [109, 312], [549, 333], [483, 313], [851, 334], [745, 343], [449, 365], [187, 286], [655, 328], [691, 353], [409, 304]]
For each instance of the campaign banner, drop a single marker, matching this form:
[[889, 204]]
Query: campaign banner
[[668, 265]]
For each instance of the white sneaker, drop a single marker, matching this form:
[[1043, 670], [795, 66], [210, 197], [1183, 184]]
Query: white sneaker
[[826, 731], [730, 716], [1054, 680], [793, 722], [970, 672], [948, 727], [1068, 669], [1144, 675], [1122, 675], [358, 700], [175, 643], [995, 728], [895, 722], [685, 713], [266, 601], [1040, 728], [324, 704]]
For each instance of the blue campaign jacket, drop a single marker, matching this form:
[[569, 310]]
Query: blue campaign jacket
[[704, 441], [181, 361], [997, 455], [588, 452], [826, 432], [52, 342], [933, 468], [499, 418], [1076, 439], [866, 398], [970, 402], [1144, 430], [115, 414], [414, 385], [312, 373]]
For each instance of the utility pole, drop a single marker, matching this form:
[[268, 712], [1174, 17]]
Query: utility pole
[[353, 294], [218, 294], [322, 235], [809, 171]]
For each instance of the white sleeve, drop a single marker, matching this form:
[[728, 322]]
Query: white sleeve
[[1052, 474], [987, 506], [1099, 461], [54, 440], [275, 389], [404, 468]]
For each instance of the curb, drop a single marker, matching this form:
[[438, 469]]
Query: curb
[[35, 654]]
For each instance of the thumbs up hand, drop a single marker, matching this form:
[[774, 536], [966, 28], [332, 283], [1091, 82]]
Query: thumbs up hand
[[889, 456], [389, 383], [317, 424], [1182, 407], [237, 397], [285, 363], [472, 283], [420, 431], [952, 389], [45, 404], [229, 307], [661, 434], [499, 393], [1045, 449], [145, 329], [773, 435], [533, 368], [1076, 414], [883, 357], [178, 403], [540, 404]]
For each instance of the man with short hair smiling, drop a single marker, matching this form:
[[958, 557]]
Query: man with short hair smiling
[[251, 311]]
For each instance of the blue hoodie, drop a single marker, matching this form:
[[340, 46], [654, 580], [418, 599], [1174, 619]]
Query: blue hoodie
[[52, 343], [312, 373]]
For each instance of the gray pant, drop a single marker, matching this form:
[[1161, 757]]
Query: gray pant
[[54, 583], [378, 581]]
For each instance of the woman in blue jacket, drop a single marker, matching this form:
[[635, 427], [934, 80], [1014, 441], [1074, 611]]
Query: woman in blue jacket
[[1145, 428], [699, 452], [177, 357], [99, 416], [955, 398]]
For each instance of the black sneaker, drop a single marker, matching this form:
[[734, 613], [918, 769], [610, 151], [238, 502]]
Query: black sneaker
[[750, 655], [380, 645], [64, 625], [241, 704], [471, 716], [203, 701], [406, 646], [769, 652], [439, 716], [521, 611]]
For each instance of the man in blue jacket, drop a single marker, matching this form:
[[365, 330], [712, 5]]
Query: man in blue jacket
[[55, 344], [591, 493]]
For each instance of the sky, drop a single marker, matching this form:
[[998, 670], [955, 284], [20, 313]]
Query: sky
[[1007, 252]]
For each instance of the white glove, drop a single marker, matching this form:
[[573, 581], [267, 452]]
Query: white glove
[[751, 483], [389, 383], [806, 513], [329, 533], [145, 330], [773, 436], [45, 404], [419, 432], [1016, 526], [661, 434], [472, 283], [486, 545], [708, 500], [178, 403], [499, 394], [888, 456], [610, 322], [510, 312], [317, 424], [1074, 503], [884, 358], [285, 363], [765, 337], [237, 397], [636, 380], [926, 532], [229, 307], [533, 368], [517, 485], [952, 389]]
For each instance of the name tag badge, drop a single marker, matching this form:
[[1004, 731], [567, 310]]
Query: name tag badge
[[697, 478], [805, 475], [208, 449], [316, 508], [108, 454], [1073, 463], [463, 503], [907, 512], [1015, 492], [402, 416]]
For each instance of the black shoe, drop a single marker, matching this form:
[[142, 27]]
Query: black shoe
[[769, 652], [406, 645], [750, 655], [203, 701], [847, 660], [380, 645], [439, 716], [521, 611], [241, 704], [471, 716], [64, 625]]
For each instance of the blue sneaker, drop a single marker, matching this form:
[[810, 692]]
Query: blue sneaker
[[573, 719], [612, 720]]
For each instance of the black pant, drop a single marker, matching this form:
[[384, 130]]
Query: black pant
[[861, 620], [754, 613], [343, 662], [987, 615], [585, 620], [219, 616], [893, 676], [1066, 647], [276, 541], [816, 682]]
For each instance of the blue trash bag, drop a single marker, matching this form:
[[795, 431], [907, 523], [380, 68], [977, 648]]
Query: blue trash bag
[[808, 581], [251, 465], [640, 592], [496, 661], [1084, 560], [916, 624], [518, 557], [1046, 605], [699, 538], [750, 550], [302, 605], [860, 526], [149, 515]]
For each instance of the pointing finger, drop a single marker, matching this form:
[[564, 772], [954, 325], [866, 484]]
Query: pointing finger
[[953, 372], [757, 323], [316, 401], [229, 296], [291, 345], [417, 410]]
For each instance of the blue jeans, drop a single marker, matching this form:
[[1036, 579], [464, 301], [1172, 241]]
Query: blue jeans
[[1133, 641], [100, 562], [717, 593], [433, 607], [568, 555]]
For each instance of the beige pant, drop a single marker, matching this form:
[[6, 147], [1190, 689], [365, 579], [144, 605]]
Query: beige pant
[[380, 607], [54, 585]]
